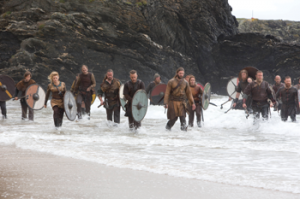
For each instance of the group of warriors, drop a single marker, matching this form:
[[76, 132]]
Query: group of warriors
[[180, 96], [258, 96]]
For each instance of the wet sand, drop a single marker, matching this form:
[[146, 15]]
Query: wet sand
[[29, 174]]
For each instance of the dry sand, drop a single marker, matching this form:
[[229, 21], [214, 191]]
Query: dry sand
[[29, 174]]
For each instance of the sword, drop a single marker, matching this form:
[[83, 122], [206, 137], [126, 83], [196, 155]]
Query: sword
[[230, 107], [13, 99], [247, 113], [213, 104], [225, 103], [202, 115]]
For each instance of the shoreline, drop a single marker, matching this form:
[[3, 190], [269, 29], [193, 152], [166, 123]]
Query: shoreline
[[30, 174]]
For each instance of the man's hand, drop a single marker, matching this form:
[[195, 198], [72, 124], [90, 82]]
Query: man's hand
[[193, 107], [45, 106], [88, 89], [16, 98], [244, 105], [234, 104], [271, 104], [102, 102], [166, 105]]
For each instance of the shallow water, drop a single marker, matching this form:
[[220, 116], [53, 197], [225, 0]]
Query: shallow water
[[227, 149]]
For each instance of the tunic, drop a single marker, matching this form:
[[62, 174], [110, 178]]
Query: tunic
[[177, 91], [58, 93]]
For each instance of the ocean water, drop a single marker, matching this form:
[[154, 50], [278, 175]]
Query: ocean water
[[227, 149]]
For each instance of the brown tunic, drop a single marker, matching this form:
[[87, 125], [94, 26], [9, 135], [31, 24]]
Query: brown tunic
[[111, 91], [175, 97], [57, 98], [84, 82], [22, 86], [260, 92], [197, 93]]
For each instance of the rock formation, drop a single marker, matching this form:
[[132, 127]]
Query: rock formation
[[286, 31], [148, 36]]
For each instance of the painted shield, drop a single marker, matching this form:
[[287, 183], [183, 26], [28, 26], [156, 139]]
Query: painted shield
[[139, 105], [251, 72], [206, 96], [7, 88], [93, 98], [123, 100], [158, 94], [232, 86], [70, 106], [35, 97], [201, 86]]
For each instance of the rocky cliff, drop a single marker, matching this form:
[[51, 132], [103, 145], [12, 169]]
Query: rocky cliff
[[148, 36], [286, 31]]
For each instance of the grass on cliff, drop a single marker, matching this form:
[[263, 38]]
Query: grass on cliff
[[6, 14]]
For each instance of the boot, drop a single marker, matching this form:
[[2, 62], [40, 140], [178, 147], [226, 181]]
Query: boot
[[89, 116], [168, 127], [56, 122], [4, 117], [183, 127], [79, 116], [199, 124]]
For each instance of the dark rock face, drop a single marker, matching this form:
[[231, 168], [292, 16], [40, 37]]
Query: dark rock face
[[149, 36], [266, 53]]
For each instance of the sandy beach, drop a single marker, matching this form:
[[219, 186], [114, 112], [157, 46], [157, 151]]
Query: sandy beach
[[29, 174]]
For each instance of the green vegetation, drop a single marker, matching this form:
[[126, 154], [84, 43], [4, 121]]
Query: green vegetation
[[141, 3], [62, 1], [91, 1], [6, 14], [41, 26], [129, 3]]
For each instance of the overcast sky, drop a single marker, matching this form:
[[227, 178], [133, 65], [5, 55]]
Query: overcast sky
[[266, 9]]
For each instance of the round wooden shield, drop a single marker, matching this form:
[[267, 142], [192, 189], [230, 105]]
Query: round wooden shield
[[70, 106], [251, 72], [232, 86], [35, 97], [93, 98], [158, 94], [201, 86], [139, 105], [7, 88], [123, 100], [206, 96]]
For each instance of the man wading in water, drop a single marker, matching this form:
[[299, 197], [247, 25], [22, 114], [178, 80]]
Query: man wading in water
[[85, 83], [243, 83], [177, 91], [22, 86], [110, 89], [130, 87], [289, 98], [260, 92], [197, 95]]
